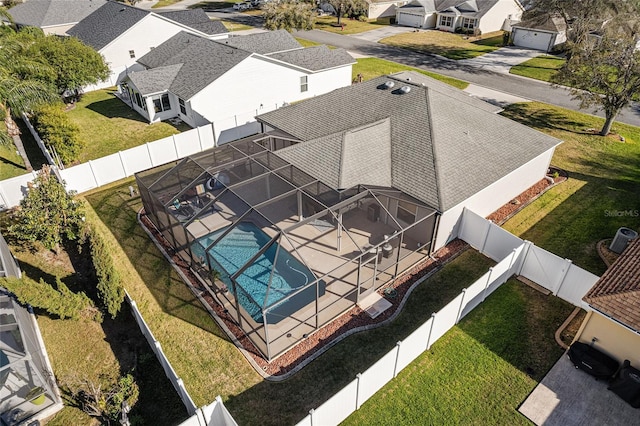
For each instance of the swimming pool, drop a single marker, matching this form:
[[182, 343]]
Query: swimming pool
[[237, 248]]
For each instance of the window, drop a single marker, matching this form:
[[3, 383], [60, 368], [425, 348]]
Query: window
[[132, 54], [468, 23], [304, 84], [446, 21], [183, 108], [407, 212], [161, 103]]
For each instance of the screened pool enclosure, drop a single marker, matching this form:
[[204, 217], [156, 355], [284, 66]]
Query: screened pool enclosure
[[284, 253]]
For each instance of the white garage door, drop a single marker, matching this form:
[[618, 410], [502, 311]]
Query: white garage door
[[531, 39], [408, 20]]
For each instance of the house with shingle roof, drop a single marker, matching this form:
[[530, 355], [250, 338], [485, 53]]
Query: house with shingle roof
[[53, 16], [228, 82], [468, 16], [543, 32], [417, 135], [123, 33], [614, 318]]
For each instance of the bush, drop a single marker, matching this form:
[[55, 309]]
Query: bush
[[58, 300], [109, 286], [56, 129]]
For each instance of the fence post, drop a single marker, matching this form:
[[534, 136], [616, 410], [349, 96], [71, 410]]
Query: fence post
[[358, 377], [486, 236], [486, 286], [433, 319], [124, 167], [175, 146], [513, 256], [524, 258], [213, 130], [199, 138], [93, 173], [395, 366], [464, 291], [149, 152], [462, 222], [311, 415], [568, 264]]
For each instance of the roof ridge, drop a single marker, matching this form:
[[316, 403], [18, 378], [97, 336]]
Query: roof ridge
[[436, 164], [615, 295]]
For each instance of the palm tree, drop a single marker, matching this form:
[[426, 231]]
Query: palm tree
[[20, 89]]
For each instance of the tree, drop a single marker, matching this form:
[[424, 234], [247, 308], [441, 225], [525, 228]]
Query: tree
[[604, 73], [288, 15], [58, 131], [47, 214], [351, 8], [74, 63]]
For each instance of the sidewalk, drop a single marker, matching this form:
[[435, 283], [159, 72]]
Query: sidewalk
[[384, 32]]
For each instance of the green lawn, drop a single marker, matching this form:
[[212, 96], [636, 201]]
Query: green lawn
[[11, 164], [601, 195], [351, 26], [108, 125], [210, 365], [235, 26], [540, 68], [374, 67], [449, 45], [209, 6], [164, 3], [481, 370]]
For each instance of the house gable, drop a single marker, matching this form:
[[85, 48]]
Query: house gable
[[53, 13]]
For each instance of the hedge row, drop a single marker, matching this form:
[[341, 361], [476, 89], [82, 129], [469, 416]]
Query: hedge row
[[56, 129], [109, 286]]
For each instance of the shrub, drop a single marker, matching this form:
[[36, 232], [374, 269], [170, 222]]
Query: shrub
[[109, 286], [105, 404], [56, 300], [56, 129]]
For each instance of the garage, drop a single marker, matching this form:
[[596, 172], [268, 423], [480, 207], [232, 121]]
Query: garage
[[409, 19], [532, 39]]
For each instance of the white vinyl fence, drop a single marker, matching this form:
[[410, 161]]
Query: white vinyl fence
[[166, 365], [214, 414], [514, 256], [39, 141]]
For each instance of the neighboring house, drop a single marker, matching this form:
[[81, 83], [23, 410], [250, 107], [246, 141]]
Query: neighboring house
[[340, 194], [614, 321], [205, 81], [53, 16], [122, 33], [383, 8], [469, 16], [543, 33]]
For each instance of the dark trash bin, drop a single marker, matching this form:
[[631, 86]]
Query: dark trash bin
[[591, 360], [627, 384]]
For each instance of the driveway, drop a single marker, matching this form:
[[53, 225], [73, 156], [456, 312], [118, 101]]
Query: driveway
[[567, 396], [501, 60], [383, 32]]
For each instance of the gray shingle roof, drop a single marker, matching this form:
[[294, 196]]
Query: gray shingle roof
[[264, 43], [46, 13], [544, 22], [315, 58], [106, 24], [196, 19], [470, 8], [155, 80], [444, 148], [202, 60]]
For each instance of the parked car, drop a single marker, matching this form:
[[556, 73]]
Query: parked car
[[242, 6]]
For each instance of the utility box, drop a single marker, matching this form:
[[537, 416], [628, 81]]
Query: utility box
[[622, 238]]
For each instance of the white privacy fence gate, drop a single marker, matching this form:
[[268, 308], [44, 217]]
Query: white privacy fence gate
[[514, 257]]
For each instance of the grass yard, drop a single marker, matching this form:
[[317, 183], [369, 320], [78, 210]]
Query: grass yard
[[481, 370], [601, 195], [351, 26], [11, 163], [374, 67], [540, 68], [449, 45], [164, 3], [210, 365], [108, 125], [209, 6], [235, 26]]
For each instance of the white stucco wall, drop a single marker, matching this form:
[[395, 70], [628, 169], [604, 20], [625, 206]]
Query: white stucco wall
[[612, 338], [494, 18], [236, 97], [379, 10], [58, 29], [494, 196]]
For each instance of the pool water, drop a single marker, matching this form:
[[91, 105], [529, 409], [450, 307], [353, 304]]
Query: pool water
[[236, 248]]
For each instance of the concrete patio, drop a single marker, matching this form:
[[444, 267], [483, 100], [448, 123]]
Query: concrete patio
[[567, 396]]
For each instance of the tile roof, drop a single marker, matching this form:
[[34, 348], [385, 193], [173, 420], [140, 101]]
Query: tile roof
[[315, 58], [202, 60], [46, 13], [264, 43], [617, 292], [106, 24], [196, 19], [445, 145]]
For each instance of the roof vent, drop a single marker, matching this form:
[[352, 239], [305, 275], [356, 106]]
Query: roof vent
[[408, 78], [404, 89], [389, 84]]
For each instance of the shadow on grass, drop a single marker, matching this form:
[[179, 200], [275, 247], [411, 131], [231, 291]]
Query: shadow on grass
[[115, 108], [543, 119], [450, 53], [34, 153], [289, 401], [209, 6]]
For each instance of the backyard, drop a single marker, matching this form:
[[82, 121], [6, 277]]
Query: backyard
[[449, 45]]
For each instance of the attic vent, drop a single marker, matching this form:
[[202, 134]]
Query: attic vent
[[408, 78], [389, 84], [404, 89]]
